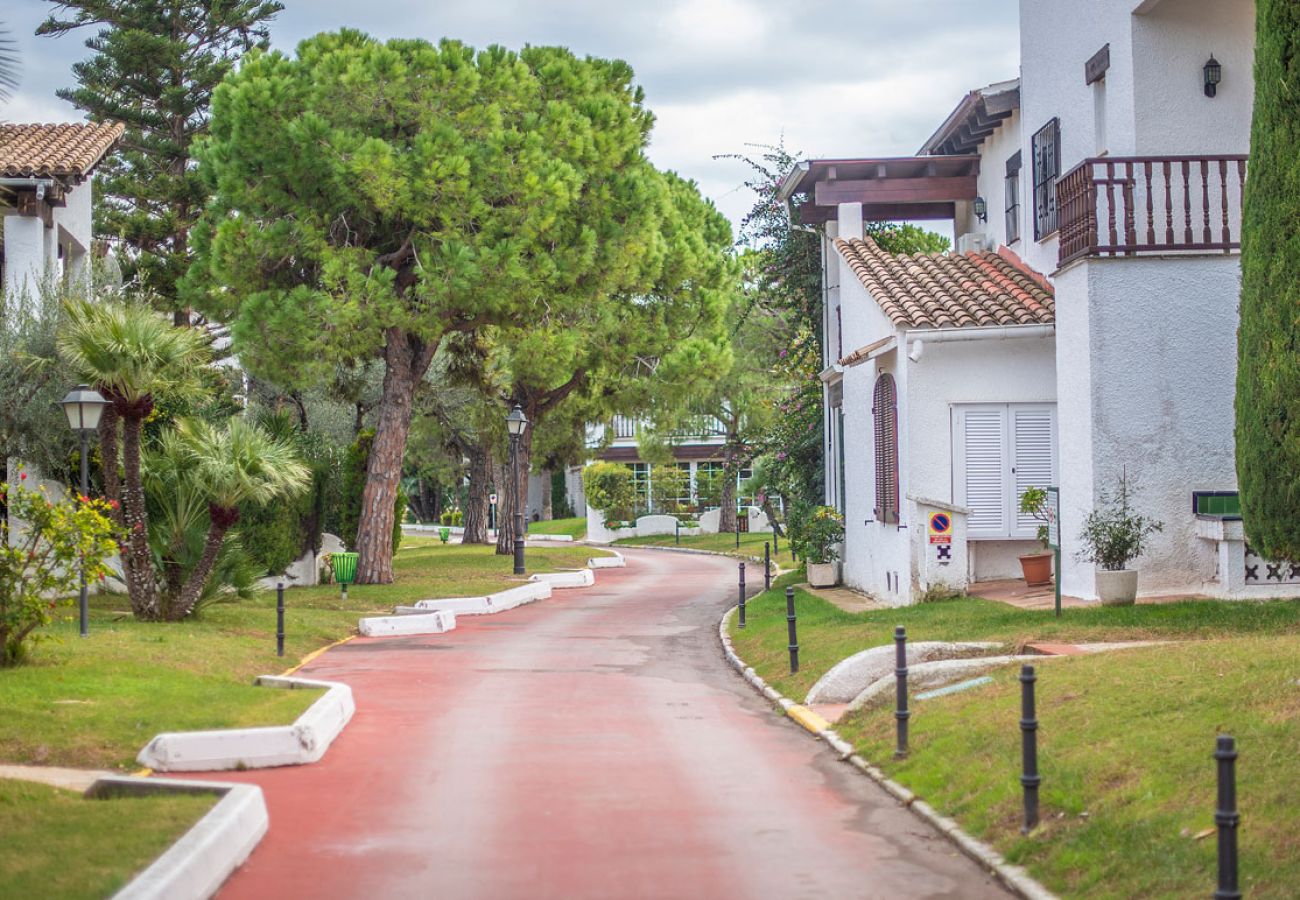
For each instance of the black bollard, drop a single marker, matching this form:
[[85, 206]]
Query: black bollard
[[1029, 748], [793, 629], [901, 713], [279, 619], [737, 531], [767, 567], [677, 530], [742, 595], [776, 540], [1227, 818]]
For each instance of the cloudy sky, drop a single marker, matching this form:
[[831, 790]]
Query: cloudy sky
[[835, 77]]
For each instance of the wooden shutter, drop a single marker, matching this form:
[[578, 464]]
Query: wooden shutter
[[1032, 443], [884, 415], [981, 467]]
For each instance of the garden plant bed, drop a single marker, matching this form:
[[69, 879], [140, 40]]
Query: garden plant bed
[[110, 840], [1125, 738], [96, 702]]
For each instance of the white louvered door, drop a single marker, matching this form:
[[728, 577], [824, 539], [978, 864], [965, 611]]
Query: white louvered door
[[1033, 458], [999, 451]]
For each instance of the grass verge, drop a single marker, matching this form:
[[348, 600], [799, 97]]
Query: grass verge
[[751, 544], [96, 702], [1124, 738], [575, 528], [58, 844]]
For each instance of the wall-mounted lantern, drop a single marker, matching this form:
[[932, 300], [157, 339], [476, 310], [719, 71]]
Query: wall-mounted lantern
[[981, 209], [1213, 75]]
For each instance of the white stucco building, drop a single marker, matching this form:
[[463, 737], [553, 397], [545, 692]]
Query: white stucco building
[[45, 199], [1086, 324]]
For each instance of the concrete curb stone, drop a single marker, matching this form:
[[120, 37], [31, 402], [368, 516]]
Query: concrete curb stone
[[1014, 878], [195, 867]]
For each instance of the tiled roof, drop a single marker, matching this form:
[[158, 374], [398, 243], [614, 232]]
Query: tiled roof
[[55, 151], [951, 290]]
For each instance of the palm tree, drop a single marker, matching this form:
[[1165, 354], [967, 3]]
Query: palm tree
[[234, 464], [9, 65], [132, 354]]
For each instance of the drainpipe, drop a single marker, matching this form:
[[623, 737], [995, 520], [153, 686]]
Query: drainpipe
[[919, 337]]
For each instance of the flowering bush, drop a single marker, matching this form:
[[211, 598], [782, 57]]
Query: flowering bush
[[41, 559], [816, 533]]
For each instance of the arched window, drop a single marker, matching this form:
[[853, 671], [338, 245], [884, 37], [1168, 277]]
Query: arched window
[[884, 416]]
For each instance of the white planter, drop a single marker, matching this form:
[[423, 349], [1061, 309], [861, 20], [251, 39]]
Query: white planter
[[1117, 588], [823, 574]]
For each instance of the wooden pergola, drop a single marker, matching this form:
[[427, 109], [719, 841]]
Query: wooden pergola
[[890, 189]]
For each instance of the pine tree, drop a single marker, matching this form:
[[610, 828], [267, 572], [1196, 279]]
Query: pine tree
[[154, 68], [1268, 361]]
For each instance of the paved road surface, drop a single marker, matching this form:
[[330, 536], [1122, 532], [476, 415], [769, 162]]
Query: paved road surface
[[594, 745]]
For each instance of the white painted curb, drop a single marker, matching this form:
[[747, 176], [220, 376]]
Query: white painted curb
[[425, 622], [1015, 878], [607, 562], [305, 741], [579, 579], [195, 867], [562, 538], [479, 606]]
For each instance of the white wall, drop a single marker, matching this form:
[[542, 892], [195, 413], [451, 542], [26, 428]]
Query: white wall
[[32, 250], [991, 184], [1146, 370], [1171, 44]]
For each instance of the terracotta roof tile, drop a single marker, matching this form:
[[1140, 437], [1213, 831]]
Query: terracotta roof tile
[[950, 290], [55, 151]]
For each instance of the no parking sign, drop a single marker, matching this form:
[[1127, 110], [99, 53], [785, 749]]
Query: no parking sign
[[940, 528]]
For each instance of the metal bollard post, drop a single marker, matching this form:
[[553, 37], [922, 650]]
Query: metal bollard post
[[793, 629], [901, 713], [1029, 748], [767, 567], [1227, 818], [776, 540], [279, 619], [677, 531], [737, 531], [742, 595]]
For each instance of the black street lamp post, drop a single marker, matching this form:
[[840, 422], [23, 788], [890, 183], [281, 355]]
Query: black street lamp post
[[516, 422], [83, 407]]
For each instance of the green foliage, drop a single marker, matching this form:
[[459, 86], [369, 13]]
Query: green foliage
[[609, 489], [668, 484], [1033, 502], [708, 487], [561, 508], [1113, 534], [1268, 366], [154, 67], [355, 465], [452, 517], [41, 559], [816, 533]]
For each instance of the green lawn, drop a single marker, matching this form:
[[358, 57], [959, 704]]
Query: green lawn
[[96, 702], [1125, 738], [58, 844], [575, 528], [751, 544]]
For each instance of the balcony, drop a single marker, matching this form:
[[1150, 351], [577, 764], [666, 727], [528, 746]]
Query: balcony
[[1142, 205]]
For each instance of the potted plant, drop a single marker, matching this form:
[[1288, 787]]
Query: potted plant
[[1113, 536], [1036, 567], [816, 536]]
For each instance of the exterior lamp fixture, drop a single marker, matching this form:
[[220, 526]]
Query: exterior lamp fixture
[[1213, 75], [516, 422], [981, 209], [83, 407]]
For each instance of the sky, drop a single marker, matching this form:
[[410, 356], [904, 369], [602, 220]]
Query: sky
[[833, 78]]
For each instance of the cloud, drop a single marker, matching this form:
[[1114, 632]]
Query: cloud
[[869, 77]]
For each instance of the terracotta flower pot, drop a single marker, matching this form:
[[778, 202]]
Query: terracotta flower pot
[[1117, 588], [1037, 568]]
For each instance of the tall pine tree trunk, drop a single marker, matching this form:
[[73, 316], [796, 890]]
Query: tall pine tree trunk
[[505, 508], [136, 559], [476, 503], [505, 529], [406, 359], [730, 469]]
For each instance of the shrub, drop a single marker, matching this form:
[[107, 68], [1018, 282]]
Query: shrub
[[669, 484], [561, 508], [1033, 502], [1113, 535], [609, 488], [816, 533], [41, 559], [452, 518]]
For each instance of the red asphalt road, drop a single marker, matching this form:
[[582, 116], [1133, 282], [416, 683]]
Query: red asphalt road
[[592, 745]]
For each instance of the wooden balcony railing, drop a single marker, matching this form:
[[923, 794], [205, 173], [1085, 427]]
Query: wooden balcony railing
[[1130, 205]]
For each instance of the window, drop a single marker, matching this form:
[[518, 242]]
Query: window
[[641, 483], [1046, 147], [1000, 450], [1012, 185], [884, 415]]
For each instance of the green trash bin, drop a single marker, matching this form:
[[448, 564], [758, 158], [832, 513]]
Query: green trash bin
[[444, 534], [345, 570]]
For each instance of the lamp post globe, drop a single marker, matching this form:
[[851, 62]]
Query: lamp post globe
[[516, 424], [83, 407]]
